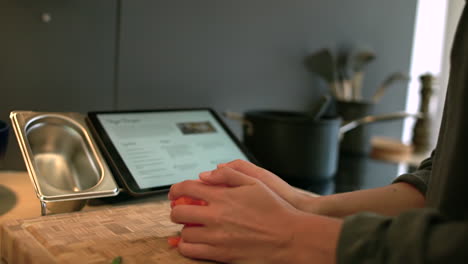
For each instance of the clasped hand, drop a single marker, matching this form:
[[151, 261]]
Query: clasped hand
[[244, 220]]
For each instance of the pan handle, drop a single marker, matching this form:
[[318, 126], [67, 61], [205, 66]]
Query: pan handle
[[376, 118]]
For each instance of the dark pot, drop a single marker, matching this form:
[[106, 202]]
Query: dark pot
[[297, 148]]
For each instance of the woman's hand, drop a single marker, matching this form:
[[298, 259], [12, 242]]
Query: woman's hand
[[243, 222], [301, 200]]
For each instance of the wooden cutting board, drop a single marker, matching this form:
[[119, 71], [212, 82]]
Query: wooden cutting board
[[137, 233]]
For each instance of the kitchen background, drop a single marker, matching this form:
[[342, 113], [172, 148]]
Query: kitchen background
[[84, 55]]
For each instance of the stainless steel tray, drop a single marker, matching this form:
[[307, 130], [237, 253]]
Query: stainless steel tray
[[63, 160]]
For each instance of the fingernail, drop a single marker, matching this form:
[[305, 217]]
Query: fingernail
[[205, 174]]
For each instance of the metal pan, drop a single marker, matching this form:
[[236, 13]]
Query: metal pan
[[63, 161]]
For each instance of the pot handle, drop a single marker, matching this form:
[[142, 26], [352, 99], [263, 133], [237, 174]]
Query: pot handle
[[376, 118], [249, 130]]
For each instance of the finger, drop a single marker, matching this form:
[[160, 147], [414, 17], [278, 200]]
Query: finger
[[254, 171], [191, 188], [203, 234], [195, 234], [246, 167], [201, 251], [205, 173], [191, 214], [227, 176]]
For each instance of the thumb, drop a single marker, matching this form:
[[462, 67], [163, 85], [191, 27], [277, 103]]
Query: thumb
[[226, 176]]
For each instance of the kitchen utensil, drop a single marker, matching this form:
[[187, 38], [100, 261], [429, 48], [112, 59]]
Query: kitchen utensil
[[323, 64], [137, 233], [342, 65], [321, 107], [63, 160], [393, 78], [361, 59], [344, 74], [359, 62]]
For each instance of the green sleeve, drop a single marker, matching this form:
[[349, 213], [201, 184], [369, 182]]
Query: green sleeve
[[419, 178], [418, 236]]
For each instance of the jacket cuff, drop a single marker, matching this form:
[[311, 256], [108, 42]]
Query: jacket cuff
[[360, 238], [416, 179]]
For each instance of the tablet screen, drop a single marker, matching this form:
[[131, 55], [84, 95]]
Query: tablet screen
[[160, 148]]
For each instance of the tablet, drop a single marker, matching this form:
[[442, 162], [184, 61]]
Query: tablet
[[149, 150]]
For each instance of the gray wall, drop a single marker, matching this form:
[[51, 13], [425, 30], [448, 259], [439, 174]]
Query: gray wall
[[64, 65], [236, 55], [248, 54]]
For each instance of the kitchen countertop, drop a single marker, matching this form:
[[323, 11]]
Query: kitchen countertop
[[17, 196], [18, 199]]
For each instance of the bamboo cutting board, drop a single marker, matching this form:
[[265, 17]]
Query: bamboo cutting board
[[137, 233]]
